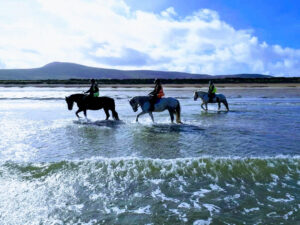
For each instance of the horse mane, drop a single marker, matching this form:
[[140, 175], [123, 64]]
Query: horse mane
[[75, 97], [142, 99]]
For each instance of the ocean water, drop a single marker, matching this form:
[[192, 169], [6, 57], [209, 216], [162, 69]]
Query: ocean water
[[240, 167]]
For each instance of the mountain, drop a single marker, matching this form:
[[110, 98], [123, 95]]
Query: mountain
[[64, 71]]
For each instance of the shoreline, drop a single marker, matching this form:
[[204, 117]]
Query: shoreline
[[223, 85]]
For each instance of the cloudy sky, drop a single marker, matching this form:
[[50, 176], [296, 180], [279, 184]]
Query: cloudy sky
[[196, 36]]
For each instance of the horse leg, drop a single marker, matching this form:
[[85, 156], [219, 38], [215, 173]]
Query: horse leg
[[78, 111], [114, 114], [219, 106], [84, 112], [151, 115], [202, 106], [137, 117], [226, 104], [107, 113], [206, 106], [171, 115]]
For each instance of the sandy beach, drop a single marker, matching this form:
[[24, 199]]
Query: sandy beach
[[224, 85]]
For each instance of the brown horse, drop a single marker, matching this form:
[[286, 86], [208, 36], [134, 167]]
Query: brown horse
[[85, 103]]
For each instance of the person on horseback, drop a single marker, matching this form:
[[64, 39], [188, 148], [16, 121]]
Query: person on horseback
[[211, 91], [157, 93], [94, 90]]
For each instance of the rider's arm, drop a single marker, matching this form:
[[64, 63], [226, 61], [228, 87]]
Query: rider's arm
[[153, 92], [88, 91]]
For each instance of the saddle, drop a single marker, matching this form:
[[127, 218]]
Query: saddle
[[157, 101], [90, 99], [213, 100]]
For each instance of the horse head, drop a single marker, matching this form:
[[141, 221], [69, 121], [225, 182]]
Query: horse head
[[200, 94], [133, 104], [69, 102], [195, 96]]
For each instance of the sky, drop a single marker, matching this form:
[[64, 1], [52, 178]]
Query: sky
[[196, 36]]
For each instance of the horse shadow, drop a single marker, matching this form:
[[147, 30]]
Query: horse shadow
[[100, 123], [175, 128], [210, 111]]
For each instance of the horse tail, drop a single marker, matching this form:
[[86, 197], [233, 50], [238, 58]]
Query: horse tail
[[178, 110], [113, 110], [226, 104]]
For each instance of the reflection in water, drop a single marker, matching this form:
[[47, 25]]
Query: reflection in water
[[153, 142], [162, 140], [91, 140], [46, 130], [100, 123]]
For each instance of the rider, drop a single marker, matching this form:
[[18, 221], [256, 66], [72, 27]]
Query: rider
[[157, 93], [211, 91], [94, 90]]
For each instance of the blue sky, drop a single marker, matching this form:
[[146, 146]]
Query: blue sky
[[274, 21], [206, 37]]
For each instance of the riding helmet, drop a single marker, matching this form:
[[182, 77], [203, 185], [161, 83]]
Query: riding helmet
[[157, 81]]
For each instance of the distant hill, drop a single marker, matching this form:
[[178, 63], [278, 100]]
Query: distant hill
[[65, 71]]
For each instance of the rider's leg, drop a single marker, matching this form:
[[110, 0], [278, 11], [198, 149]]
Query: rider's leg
[[212, 97], [152, 102], [209, 97]]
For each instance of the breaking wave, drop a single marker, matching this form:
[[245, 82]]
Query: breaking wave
[[134, 190]]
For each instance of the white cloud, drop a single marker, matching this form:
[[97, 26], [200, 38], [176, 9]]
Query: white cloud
[[107, 33], [169, 12]]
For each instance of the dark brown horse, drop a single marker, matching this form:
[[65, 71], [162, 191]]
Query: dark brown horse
[[85, 103]]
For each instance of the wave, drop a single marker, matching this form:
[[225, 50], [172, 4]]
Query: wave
[[188, 166], [131, 190]]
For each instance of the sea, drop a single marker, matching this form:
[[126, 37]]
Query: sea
[[218, 167]]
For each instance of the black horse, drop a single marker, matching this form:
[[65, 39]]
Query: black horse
[[85, 102]]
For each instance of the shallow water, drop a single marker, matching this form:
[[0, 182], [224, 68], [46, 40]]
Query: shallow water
[[218, 167]]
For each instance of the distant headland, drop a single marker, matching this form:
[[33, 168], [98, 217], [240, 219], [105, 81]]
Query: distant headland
[[75, 74]]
